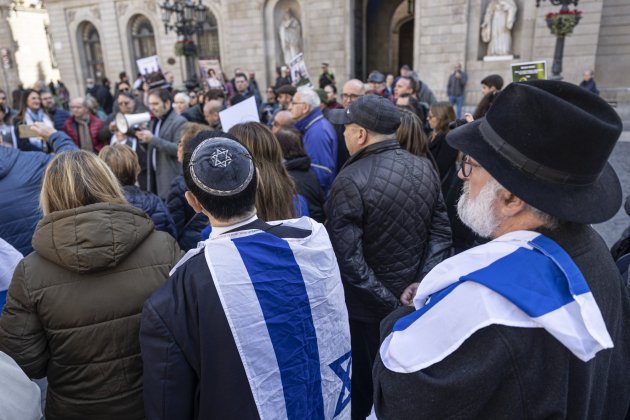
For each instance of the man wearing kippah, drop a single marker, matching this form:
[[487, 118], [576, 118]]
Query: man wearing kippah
[[388, 225], [252, 323], [533, 324]]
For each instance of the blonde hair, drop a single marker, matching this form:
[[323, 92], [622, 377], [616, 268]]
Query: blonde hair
[[78, 178], [276, 190], [122, 161], [189, 131]]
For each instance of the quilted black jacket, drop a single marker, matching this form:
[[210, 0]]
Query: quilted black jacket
[[388, 225]]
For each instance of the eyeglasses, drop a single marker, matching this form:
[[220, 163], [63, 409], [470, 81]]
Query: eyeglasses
[[297, 103], [467, 166], [350, 96]]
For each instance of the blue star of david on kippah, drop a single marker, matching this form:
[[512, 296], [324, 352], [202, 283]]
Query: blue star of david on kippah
[[344, 375], [221, 158]]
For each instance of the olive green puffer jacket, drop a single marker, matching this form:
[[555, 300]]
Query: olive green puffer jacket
[[74, 304]]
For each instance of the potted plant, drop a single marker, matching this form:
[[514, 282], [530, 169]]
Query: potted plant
[[185, 47], [563, 22]]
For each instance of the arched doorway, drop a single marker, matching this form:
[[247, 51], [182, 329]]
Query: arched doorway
[[405, 43], [142, 38], [383, 35], [90, 52]]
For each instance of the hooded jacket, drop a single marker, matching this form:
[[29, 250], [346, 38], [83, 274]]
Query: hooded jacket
[[73, 308]]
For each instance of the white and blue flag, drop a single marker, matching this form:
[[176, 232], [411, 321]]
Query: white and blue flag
[[521, 279], [285, 305], [9, 259]]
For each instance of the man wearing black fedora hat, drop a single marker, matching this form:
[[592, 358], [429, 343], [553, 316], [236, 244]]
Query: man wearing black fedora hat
[[534, 323], [252, 323], [387, 222]]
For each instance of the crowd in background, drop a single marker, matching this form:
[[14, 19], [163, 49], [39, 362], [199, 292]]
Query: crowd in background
[[97, 200]]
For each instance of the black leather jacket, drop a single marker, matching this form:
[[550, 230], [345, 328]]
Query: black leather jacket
[[388, 225]]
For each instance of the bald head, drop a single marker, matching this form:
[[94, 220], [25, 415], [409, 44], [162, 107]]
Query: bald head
[[352, 90], [79, 108], [211, 111], [282, 119]]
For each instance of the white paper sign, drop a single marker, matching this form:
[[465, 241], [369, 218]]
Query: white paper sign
[[242, 112]]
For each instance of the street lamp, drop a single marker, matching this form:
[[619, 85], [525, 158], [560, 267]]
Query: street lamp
[[561, 24], [189, 20]]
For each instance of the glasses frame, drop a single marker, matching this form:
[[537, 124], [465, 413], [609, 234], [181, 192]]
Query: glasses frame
[[467, 166]]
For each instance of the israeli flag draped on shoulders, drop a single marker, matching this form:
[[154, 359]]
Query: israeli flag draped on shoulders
[[521, 279], [285, 305]]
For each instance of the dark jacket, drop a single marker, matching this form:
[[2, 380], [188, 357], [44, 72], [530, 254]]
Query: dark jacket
[[59, 117], [74, 305], [189, 224], [590, 86], [21, 175], [503, 372], [153, 206], [445, 157], [195, 114], [388, 225], [70, 127], [307, 185], [192, 368], [456, 85], [24, 143]]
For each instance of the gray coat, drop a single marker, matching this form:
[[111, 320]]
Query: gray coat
[[165, 145], [503, 372]]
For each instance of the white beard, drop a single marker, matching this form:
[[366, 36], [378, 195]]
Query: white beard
[[478, 213]]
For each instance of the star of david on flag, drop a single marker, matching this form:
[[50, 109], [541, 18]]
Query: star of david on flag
[[344, 375], [221, 158]]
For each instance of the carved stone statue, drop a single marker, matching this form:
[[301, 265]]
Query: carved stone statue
[[290, 35], [496, 28]]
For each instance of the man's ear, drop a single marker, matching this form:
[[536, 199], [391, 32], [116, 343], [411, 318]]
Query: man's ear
[[194, 203], [510, 204], [363, 138]]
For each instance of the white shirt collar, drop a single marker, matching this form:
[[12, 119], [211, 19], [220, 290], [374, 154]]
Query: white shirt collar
[[216, 231]]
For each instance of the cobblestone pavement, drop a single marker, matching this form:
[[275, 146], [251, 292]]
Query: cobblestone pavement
[[620, 160]]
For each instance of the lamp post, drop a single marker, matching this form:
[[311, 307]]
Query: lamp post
[[561, 24], [188, 21]]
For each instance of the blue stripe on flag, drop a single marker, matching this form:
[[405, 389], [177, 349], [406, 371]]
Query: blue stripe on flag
[[406, 321], [577, 282], [3, 299], [282, 295], [528, 279]]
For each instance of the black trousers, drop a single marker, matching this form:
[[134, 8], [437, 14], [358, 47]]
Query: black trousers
[[365, 342]]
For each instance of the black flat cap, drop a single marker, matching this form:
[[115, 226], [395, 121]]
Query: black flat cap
[[371, 112]]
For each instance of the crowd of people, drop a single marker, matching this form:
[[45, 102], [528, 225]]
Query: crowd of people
[[364, 248]]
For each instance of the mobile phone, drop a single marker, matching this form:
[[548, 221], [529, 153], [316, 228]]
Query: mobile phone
[[27, 131]]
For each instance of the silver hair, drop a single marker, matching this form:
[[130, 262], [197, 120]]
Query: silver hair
[[548, 221], [183, 96], [309, 97]]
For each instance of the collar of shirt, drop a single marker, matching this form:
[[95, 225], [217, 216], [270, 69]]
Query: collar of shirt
[[218, 230]]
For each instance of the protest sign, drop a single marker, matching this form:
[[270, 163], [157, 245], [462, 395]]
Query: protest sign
[[214, 64], [242, 112], [533, 70], [151, 71], [299, 73]]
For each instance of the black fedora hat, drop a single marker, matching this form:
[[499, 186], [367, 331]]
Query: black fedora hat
[[548, 142]]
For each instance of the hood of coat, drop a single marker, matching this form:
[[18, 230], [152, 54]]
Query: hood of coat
[[8, 156], [93, 237]]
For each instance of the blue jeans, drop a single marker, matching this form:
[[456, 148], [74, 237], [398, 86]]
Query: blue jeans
[[458, 101]]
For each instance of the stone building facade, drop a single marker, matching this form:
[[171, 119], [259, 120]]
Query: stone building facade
[[104, 37]]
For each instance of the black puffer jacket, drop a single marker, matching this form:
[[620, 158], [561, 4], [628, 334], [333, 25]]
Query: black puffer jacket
[[189, 223], [153, 206], [388, 225], [307, 185]]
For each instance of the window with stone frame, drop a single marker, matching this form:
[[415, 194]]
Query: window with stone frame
[[208, 39]]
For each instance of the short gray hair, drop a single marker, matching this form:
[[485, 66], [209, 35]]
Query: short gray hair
[[310, 97], [182, 96], [548, 221]]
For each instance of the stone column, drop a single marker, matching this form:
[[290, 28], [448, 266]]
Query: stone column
[[9, 78]]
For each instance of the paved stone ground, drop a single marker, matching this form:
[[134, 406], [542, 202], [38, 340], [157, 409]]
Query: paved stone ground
[[620, 160]]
